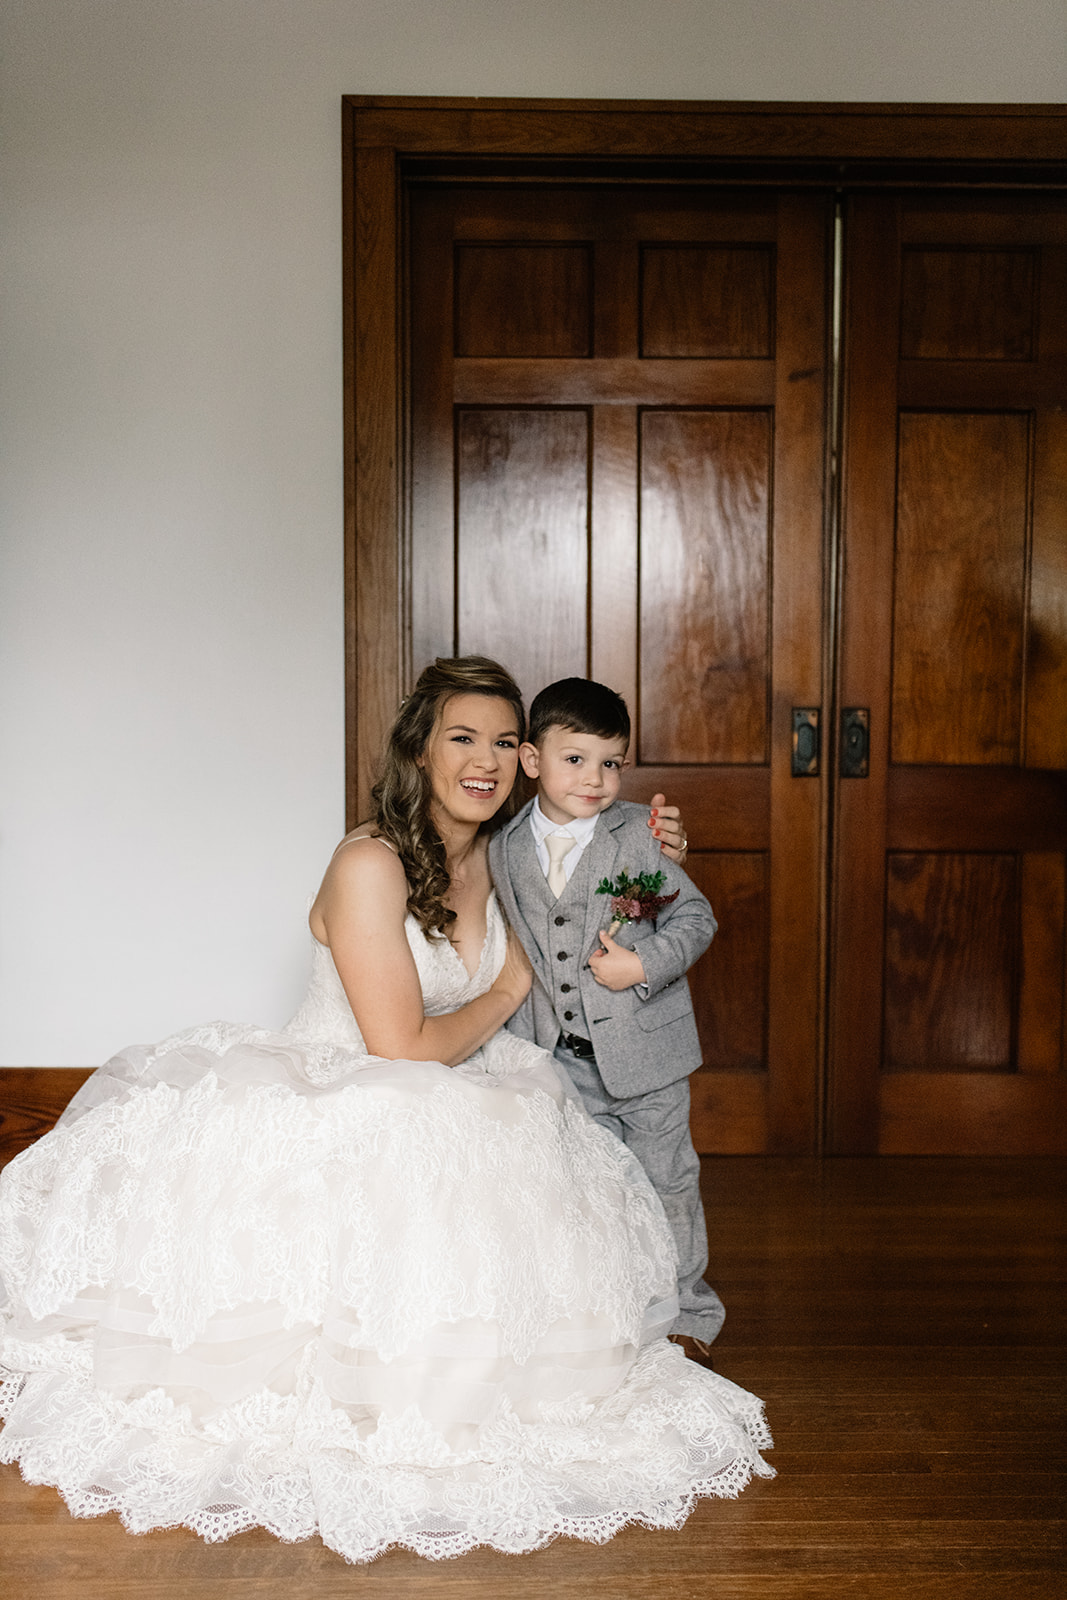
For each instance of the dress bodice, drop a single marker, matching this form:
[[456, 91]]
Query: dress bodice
[[325, 1017]]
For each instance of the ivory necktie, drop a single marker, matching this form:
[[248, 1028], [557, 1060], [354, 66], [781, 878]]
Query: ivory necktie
[[558, 845]]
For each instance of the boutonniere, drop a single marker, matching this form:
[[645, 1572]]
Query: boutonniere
[[635, 899]]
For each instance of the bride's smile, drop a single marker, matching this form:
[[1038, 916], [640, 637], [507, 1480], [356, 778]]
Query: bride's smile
[[472, 758]]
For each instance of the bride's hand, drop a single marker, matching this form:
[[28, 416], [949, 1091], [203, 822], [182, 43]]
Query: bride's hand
[[667, 826], [516, 975]]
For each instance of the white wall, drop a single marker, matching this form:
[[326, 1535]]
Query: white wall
[[170, 591]]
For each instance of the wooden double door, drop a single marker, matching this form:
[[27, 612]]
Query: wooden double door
[[788, 468]]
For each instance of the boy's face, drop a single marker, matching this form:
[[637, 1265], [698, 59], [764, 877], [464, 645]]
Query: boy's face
[[578, 774]]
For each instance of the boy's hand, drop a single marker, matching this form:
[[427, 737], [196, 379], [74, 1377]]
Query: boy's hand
[[666, 824], [616, 967]]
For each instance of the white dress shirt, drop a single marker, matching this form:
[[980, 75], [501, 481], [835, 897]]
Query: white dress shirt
[[580, 829]]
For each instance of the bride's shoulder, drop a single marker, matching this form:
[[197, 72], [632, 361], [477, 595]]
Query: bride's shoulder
[[364, 872], [366, 855]]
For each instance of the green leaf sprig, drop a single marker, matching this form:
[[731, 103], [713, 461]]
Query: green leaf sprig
[[635, 899]]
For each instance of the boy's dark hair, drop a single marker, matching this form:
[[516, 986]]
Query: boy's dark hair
[[580, 706]]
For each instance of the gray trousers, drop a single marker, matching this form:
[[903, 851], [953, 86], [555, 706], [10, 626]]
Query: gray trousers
[[655, 1126]]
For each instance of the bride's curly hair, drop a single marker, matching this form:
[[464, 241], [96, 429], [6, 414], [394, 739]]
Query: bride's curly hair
[[403, 793]]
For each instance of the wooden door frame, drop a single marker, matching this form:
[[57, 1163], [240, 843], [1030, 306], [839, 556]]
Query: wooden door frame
[[388, 140]]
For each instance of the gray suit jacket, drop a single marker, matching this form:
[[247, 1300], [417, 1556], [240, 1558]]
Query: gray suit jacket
[[641, 1043]]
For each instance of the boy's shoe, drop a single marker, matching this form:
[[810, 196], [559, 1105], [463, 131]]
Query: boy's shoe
[[696, 1349]]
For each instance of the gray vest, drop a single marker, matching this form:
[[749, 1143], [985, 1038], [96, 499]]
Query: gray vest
[[560, 931]]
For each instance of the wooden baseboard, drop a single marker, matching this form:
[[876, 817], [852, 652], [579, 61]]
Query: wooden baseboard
[[31, 1099]]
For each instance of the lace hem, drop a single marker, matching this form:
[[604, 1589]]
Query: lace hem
[[296, 1465]]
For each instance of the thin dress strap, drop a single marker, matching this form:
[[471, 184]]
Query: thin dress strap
[[378, 838]]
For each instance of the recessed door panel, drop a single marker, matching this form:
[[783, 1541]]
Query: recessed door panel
[[707, 300], [705, 587], [949, 961], [967, 303], [959, 587], [523, 300], [729, 982], [522, 539]]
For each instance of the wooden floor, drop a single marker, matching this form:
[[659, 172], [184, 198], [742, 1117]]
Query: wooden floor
[[904, 1320]]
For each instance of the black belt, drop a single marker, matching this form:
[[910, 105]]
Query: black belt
[[582, 1048]]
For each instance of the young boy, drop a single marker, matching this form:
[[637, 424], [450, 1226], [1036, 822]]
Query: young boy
[[616, 1011]]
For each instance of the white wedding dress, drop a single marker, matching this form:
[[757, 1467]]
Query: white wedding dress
[[261, 1278]]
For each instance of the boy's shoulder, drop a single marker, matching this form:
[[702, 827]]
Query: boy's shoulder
[[628, 820], [621, 813]]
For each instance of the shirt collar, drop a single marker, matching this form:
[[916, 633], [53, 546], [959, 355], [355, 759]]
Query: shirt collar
[[579, 828]]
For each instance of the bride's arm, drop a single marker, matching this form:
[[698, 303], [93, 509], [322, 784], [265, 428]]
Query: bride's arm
[[361, 907]]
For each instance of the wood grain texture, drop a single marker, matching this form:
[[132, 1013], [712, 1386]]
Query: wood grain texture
[[729, 982], [976, 808], [524, 300], [977, 648], [801, 656], [1046, 663], [31, 1099], [1043, 942], [960, 588], [522, 541], [613, 555], [1008, 220], [626, 381], [701, 300], [905, 1321], [967, 304], [373, 542], [728, 1112], [972, 385], [725, 809], [704, 586], [717, 131], [351, 272], [854, 1023], [974, 1113], [950, 951], [431, 504]]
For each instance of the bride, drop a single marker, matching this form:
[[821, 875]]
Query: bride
[[377, 1276]]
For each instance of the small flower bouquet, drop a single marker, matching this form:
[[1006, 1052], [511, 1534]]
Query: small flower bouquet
[[635, 899]]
